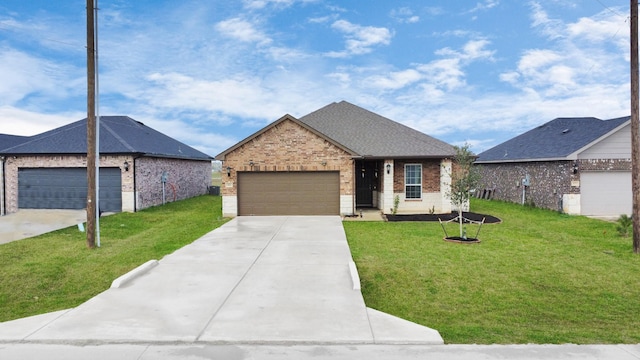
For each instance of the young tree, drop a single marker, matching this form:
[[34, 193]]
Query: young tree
[[464, 178]]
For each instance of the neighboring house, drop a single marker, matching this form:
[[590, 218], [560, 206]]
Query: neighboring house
[[580, 166], [332, 162], [139, 167]]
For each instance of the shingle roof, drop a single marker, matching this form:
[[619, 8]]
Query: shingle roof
[[371, 135], [7, 141], [118, 135], [556, 140]]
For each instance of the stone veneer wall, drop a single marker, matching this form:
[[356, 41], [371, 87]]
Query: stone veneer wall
[[548, 182], [185, 179], [287, 147], [605, 165]]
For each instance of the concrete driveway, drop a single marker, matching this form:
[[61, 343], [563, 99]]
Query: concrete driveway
[[32, 222], [253, 280]]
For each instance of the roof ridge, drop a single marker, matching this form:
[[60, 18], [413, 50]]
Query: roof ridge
[[118, 137]]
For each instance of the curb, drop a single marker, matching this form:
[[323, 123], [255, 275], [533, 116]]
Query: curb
[[133, 274], [355, 278]]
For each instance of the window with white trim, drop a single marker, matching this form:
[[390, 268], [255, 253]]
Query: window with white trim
[[413, 181]]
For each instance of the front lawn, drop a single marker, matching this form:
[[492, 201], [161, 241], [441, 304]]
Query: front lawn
[[56, 271], [538, 277]]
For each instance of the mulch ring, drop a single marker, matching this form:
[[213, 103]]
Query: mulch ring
[[488, 219]]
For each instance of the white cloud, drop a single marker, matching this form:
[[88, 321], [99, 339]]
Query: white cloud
[[579, 56], [486, 5], [242, 30], [360, 39], [394, 80], [24, 75], [404, 15], [16, 121], [552, 28], [260, 4]]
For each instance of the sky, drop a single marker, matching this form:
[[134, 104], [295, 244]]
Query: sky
[[212, 72]]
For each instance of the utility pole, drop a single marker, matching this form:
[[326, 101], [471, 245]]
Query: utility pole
[[91, 128], [635, 121]]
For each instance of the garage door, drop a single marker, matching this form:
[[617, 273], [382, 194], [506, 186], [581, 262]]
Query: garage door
[[66, 188], [289, 193], [605, 193]]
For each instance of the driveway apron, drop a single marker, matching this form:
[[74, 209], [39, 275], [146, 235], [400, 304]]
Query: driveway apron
[[254, 280]]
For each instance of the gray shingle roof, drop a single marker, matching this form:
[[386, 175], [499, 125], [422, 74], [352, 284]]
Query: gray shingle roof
[[7, 141], [555, 140], [118, 135], [371, 135]]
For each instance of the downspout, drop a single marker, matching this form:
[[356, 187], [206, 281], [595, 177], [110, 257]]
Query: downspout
[[353, 187], [3, 205], [135, 185]]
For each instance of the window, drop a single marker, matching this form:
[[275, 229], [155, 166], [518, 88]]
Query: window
[[413, 181]]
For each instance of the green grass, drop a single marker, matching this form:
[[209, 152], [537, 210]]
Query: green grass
[[538, 277], [57, 271]]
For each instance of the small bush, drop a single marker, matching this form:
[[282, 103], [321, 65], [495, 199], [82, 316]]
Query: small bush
[[624, 225]]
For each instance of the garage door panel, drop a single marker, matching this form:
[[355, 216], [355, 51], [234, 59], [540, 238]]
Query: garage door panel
[[289, 193], [66, 188], [605, 193]]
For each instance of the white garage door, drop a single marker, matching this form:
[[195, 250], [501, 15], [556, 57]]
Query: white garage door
[[606, 193]]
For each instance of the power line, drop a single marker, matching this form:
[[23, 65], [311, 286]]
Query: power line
[[611, 10]]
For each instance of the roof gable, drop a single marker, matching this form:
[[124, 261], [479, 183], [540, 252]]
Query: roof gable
[[118, 135], [274, 124], [558, 139]]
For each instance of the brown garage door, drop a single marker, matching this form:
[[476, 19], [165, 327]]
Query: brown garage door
[[289, 193]]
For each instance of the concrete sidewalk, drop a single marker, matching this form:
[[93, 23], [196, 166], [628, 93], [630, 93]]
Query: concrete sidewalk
[[20, 351]]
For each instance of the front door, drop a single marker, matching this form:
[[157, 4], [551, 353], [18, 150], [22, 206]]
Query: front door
[[366, 182]]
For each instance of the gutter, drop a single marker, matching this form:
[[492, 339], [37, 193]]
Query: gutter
[[523, 160]]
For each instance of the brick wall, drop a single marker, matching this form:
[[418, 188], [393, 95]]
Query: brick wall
[[287, 147], [189, 178], [12, 164], [185, 179], [430, 175]]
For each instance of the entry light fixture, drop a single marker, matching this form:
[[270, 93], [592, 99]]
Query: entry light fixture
[[126, 166], [388, 168], [251, 163], [575, 167], [228, 170]]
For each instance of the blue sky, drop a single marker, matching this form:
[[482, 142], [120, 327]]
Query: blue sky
[[210, 73]]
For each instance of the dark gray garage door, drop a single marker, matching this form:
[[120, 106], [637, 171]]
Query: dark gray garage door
[[289, 193], [66, 188]]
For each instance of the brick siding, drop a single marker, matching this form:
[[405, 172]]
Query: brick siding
[[190, 178], [288, 147], [430, 175], [185, 179]]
